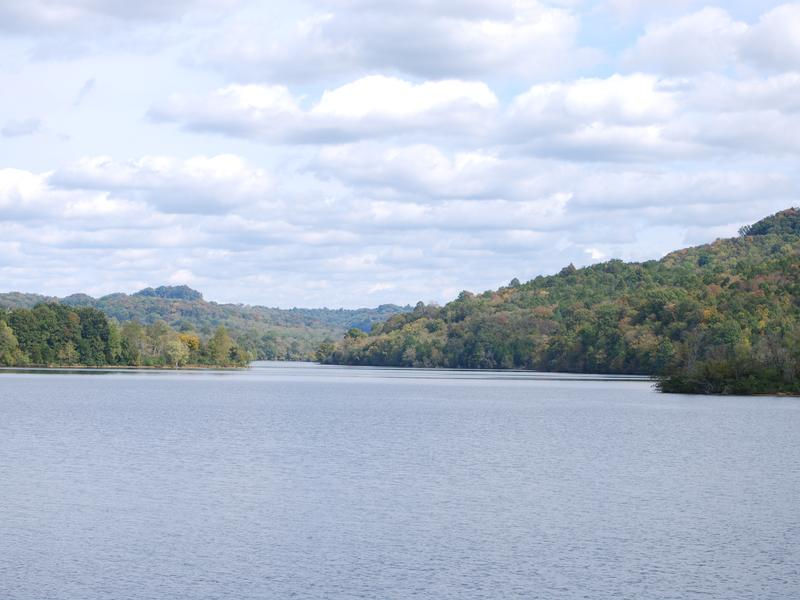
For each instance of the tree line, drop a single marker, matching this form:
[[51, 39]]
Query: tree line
[[51, 334]]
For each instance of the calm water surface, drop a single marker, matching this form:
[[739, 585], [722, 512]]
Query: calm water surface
[[302, 481]]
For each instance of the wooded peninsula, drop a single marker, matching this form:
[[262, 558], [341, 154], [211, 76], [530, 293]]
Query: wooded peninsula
[[722, 318]]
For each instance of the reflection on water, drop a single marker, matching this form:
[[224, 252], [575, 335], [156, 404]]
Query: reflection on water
[[260, 368]]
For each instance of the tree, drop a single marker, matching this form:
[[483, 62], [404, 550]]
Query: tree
[[114, 341], [133, 343], [219, 347], [325, 351], [93, 346], [177, 352], [10, 354], [355, 333], [157, 337], [192, 342], [68, 354]]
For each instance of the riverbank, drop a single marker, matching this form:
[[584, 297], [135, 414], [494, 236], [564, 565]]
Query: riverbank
[[121, 368]]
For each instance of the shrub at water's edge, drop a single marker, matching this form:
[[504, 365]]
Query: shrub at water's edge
[[722, 318], [58, 335]]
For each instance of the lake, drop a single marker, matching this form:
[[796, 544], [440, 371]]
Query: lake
[[303, 481]]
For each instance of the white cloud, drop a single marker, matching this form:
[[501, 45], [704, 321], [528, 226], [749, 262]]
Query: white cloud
[[29, 197], [372, 106], [715, 93], [748, 116], [182, 277], [712, 40], [387, 97], [20, 192], [702, 41], [55, 15], [196, 185], [618, 118], [381, 286], [240, 110], [421, 170], [626, 100], [432, 40], [622, 117], [642, 117], [774, 42], [465, 215]]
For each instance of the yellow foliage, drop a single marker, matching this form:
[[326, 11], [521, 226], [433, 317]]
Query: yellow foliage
[[191, 340]]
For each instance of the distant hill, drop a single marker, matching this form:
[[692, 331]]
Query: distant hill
[[179, 292], [271, 333], [719, 318], [22, 300]]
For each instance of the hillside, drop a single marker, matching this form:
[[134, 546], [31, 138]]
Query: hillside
[[719, 318], [267, 333]]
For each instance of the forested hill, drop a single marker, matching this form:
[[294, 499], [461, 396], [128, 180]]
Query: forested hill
[[270, 333], [718, 318]]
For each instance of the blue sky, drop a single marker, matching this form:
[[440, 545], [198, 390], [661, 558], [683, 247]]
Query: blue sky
[[356, 152]]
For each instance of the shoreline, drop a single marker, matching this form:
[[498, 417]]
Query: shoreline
[[579, 376], [121, 368]]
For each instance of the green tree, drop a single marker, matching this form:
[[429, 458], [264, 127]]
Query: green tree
[[133, 344], [220, 346], [68, 354], [177, 352], [10, 354]]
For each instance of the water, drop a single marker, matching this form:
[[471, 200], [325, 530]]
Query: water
[[326, 482]]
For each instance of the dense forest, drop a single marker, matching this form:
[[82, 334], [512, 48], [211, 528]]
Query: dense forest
[[719, 318], [51, 334], [265, 333]]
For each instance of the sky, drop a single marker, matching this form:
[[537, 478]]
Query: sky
[[349, 153]]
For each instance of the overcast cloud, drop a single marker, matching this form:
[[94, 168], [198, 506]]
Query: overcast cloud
[[356, 152]]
